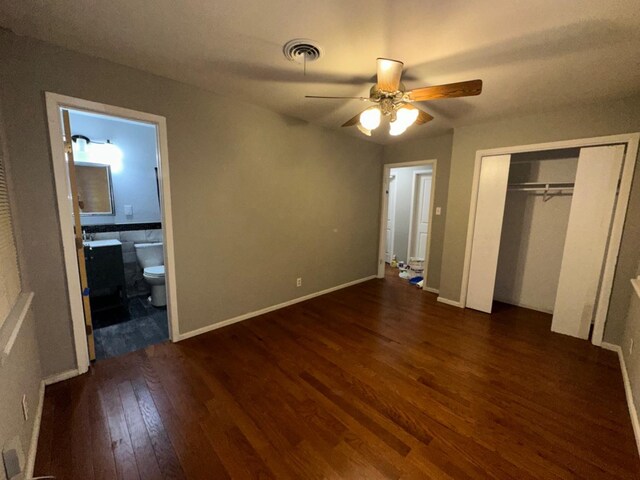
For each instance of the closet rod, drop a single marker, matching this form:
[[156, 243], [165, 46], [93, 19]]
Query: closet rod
[[541, 186]]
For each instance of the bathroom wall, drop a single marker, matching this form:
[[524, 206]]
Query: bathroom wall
[[135, 283], [404, 188], [134, 183]]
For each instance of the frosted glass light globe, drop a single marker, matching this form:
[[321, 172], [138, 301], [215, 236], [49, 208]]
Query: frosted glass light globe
[[370, 118]]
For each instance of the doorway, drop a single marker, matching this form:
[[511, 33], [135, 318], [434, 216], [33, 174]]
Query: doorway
[[571, 229], [112, 181], [407, 208]]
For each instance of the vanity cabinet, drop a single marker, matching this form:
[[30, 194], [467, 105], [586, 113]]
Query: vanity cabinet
[[105, 274]]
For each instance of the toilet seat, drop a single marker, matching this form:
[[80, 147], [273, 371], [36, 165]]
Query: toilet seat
[[157, 271]]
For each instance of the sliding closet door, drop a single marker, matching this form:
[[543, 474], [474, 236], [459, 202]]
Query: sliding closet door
[[585, 245], [492, 194]]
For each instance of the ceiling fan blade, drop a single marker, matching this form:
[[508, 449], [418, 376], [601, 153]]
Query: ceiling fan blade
[[352, 121], [364, 99], [389, 74], [451, 90], [423, 117]]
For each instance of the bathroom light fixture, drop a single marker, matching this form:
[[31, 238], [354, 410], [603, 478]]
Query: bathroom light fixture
[[91, 151]]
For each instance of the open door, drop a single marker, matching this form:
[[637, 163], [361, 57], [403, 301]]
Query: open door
[[594, 197], [487, 230], [73, 187], [420, 213]]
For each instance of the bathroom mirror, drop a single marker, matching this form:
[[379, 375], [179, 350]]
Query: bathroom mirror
[[94, 189]]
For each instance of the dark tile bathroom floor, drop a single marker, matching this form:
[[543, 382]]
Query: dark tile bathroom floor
[[124, 330]]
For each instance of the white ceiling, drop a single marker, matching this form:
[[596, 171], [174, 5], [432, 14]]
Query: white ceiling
[[532, 55]]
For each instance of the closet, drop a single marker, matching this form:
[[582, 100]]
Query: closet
[[542, 222]]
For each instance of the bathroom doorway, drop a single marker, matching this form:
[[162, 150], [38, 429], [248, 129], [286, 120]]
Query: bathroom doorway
[[111, 173]]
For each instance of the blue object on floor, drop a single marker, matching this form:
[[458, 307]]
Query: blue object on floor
[[415, 280]]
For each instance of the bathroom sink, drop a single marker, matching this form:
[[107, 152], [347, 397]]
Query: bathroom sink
[[102, 243]]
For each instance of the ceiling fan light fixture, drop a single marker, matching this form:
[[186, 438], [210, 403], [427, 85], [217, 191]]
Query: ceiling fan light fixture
[[370, 119], [405, 117], [363, 130], [396, 128]]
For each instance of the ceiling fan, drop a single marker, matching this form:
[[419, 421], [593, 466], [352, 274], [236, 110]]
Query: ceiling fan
[[392, 100]]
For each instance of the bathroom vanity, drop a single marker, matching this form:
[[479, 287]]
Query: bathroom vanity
[[105, 274]]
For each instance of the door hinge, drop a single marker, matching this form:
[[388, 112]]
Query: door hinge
[[68, 147], [89, 329]]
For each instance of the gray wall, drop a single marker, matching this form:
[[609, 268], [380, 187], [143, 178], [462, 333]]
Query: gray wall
[[430, 148], [258, 198], [604, 118], [135, 183], [631, 337], [20, 374], [20, 371], [404, 188]]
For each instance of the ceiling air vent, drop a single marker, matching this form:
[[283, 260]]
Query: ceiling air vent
[[302, 50]]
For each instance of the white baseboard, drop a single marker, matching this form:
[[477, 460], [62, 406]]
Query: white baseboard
[[446, 301], [633, 413], [35, 434], [59, 377], [431, 289], [246, 316]]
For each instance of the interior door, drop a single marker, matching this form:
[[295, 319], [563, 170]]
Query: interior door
[[592, 206], [421, 211], [82, 268], [391, 218], [487, 229]]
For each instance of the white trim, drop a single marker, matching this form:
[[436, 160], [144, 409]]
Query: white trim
[[631, 139], [447, 301], [15, 317], [391, 200], [430, 289], [54, 103], [35, 434], [633, 413], [383, 211], [256, 313], [62, 376]]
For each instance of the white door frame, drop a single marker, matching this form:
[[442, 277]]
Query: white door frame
[[55, 103], [392, 200], [412, 211], [631, 141], [383, 210]]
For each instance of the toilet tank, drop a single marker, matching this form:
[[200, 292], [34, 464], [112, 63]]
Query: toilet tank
[[149, 254]]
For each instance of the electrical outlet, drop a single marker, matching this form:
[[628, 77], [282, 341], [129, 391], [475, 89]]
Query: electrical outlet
[[438, 210], [631, 347], [25, 407], [299, 282]]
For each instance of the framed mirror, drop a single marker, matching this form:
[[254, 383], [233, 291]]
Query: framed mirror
[[95, 190]]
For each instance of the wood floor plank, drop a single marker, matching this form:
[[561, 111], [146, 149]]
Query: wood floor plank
[[376, 381]]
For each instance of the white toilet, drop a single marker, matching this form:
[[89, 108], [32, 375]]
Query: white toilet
[[151, 260]]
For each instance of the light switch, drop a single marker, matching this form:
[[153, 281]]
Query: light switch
[[438, 210], [128, 210]]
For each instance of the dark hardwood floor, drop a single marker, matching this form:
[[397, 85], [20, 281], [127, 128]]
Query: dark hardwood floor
[[375, 381]]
